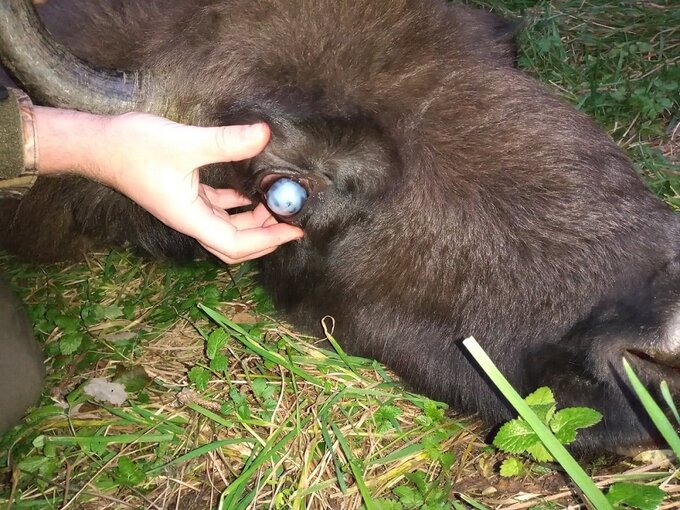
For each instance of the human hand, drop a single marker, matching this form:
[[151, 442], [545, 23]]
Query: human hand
[[155, 162]]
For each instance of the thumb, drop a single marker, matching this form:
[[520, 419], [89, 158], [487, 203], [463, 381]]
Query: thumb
[[230, 143]]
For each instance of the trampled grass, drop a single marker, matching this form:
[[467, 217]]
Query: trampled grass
[[243, 412]]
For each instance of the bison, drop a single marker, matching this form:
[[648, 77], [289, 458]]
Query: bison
[[450, 194]]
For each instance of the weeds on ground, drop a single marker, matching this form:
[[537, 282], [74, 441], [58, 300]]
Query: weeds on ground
[[541, 432]]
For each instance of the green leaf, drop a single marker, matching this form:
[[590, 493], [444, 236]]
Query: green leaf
[[418, 478], [70, 342], [259, 385], [447, 459], [32, 464], [216, 341], [408, 496], [386, 504], [542, 402], [383, 427], [542, 396], [200, 377], [129, 311], [541, 470], [540, 453], [472, 502], [113, 312], [576, 472], [263, 389], [134, 379], [437, 503], [240, 402], [516, 436], [566, 421], [67, 323], [643, 497], [128, 473], [433, 411], [512, 466], [432, 447], [387, 413], [238, 397], [219, 363]]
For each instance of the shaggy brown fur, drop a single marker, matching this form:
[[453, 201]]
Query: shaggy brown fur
[[459, 197]]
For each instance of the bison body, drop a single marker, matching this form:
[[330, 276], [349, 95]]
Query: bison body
[[451, 194]]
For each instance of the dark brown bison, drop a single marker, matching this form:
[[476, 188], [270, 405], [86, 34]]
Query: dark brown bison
[[450, 194]]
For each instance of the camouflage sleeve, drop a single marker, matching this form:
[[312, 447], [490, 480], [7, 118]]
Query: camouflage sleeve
[[16, 140]]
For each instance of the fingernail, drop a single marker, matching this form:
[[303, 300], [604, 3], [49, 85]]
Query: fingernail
[[256, 130]]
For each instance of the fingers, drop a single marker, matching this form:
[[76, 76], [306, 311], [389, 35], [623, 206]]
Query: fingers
[[269, 221], [221, 199], [228, 143], [262, 214], [230, 260], [228, 199], [224, 198], [237, 237], [258, 217], [252, 243]]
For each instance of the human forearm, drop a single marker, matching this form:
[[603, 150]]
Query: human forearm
[[67, 141]]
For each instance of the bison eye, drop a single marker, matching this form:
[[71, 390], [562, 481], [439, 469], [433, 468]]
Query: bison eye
[[286, 197]]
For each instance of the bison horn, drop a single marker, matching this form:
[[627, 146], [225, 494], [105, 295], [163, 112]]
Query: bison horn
[[52, 75]]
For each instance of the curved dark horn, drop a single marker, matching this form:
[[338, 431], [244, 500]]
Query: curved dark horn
[[53, 76]]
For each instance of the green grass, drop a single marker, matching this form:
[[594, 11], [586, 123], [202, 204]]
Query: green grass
[[619, 61], [281, 420], [261, 417]]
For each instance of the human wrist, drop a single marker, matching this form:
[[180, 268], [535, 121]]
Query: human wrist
[[67, 141]]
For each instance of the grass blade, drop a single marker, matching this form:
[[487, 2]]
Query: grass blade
[[354, 466], [201, 450], [666, 393], [334, 458], [472, 502], [336, 346], [656, 414], [98, 440]]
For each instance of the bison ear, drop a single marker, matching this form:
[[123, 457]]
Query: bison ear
[[494, 35]]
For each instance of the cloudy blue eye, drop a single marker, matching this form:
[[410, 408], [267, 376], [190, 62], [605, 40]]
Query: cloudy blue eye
[[286, 197]]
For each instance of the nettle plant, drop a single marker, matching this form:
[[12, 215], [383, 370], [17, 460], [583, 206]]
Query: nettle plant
[[517, 437], [541, 432]]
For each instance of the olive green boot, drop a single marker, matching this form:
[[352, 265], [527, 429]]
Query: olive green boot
[[21, 361]]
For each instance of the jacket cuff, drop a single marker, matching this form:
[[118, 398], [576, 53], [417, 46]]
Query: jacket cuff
[[12, 162]]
